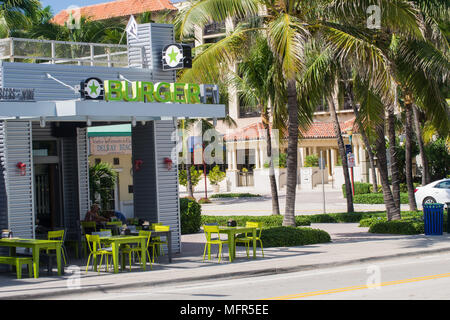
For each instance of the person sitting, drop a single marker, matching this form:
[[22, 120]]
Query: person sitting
[[93, 214], [119, 215]]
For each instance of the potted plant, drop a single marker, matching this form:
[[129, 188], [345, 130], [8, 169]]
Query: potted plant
[[215, 177], [196, 176]]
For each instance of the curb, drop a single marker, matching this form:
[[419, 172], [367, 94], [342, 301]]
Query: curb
[[233, 275]]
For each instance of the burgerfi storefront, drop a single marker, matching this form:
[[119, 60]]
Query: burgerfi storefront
[[46, 108]]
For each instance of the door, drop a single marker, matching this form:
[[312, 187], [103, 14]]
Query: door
[[47, 197]]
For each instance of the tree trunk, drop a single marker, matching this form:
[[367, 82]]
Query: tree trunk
[[272, 179], [189, 188], [293, 132], [408, 154], [368, 149], [333, 103], [425, 169], [393, 159], [392, 211]]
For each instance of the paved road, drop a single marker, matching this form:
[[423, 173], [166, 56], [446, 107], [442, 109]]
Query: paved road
[[425, 277], [307, 202]]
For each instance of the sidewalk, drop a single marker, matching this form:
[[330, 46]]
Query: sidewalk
[[350, 245]]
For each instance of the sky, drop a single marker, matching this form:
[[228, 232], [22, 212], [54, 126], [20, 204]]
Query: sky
[[58, 5]]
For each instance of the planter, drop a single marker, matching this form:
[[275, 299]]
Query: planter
[[216, 188]]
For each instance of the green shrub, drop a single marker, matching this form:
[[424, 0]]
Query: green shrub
[[368, 222], [397, 227], [215, 176], [268, 221], [312, 161], [376, 198], [196, 176], [235, 195], [360, 188], [290, 236], [404, 187], [191, 214]]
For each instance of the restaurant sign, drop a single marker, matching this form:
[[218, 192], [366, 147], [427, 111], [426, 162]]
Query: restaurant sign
[[110, 145], [16, 94], [144, 91]]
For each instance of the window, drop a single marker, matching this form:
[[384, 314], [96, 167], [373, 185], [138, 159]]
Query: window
[[45, 148], [443, 185], [130, 189], [116, 161]]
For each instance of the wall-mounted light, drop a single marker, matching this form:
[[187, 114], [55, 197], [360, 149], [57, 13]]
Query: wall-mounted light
[[42, 122], [143, 123], [88, 121], [133, 121]]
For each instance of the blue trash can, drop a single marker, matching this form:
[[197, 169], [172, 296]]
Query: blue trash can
[[433, 217]]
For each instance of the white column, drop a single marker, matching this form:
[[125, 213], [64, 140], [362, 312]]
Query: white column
[[257, 157], [234, 158], [356, 151], [302, 156], [229, 159]]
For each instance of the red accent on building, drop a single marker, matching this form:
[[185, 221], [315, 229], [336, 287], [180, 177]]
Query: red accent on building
[[115, 9]]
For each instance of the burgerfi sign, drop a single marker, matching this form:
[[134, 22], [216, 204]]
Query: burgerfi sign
[[140, 91]]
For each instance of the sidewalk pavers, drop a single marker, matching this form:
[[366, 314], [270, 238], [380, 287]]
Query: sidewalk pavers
[[350, 244]]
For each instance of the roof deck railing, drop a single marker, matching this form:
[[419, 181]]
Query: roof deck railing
[[63, 52]]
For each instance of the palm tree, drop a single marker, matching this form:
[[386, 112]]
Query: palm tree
[[17, 15], [255, 81], [288, 25]]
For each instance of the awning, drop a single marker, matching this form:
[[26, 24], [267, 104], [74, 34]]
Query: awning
[[77, 110]]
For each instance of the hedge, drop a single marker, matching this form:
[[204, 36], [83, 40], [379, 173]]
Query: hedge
[[292, 236], [397, 227], [191, 216], [268, 221], [235, 195], [376, 198]]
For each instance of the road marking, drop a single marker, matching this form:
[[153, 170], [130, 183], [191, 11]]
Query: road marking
[[353, 288]]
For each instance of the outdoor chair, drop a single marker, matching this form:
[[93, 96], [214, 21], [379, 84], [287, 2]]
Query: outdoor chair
[[131, 250], [87, 227], [248, 237], [210, 232], [156, 242], [95, 249], [50, 255]]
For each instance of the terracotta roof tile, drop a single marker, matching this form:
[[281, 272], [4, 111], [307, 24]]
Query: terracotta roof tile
[[114, 9], [317, 130]]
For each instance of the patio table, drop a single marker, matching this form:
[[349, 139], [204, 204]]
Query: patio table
[[232, 232], [167, 234], [36, 246], [116, 241]]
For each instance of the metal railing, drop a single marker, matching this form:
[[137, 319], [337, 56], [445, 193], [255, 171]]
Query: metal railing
[[63, 52]]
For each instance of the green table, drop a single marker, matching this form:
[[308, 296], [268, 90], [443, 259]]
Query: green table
[[232, 232], [36, 246], [116, 241]]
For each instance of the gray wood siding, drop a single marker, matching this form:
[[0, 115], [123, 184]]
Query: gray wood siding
[[144, 180], [70, 187], [50, 90], [167, 180], [19, 188], [3, 198], [83, 171]]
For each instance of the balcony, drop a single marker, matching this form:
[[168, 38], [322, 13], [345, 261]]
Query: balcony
[[214, 28], [63, 52]]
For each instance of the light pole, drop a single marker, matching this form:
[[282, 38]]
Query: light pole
[[350, 133]]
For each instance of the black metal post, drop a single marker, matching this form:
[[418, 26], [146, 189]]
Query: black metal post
[[448, 217]]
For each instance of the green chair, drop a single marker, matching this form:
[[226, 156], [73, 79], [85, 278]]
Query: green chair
[[210, 231], [58, 236], [248, 238], [87, 227], [131, 250], [156, 242], [95, 249]]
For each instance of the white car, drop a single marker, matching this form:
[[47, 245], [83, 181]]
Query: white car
[[435, 192]]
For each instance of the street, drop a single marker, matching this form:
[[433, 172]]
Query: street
[[409, 278]]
